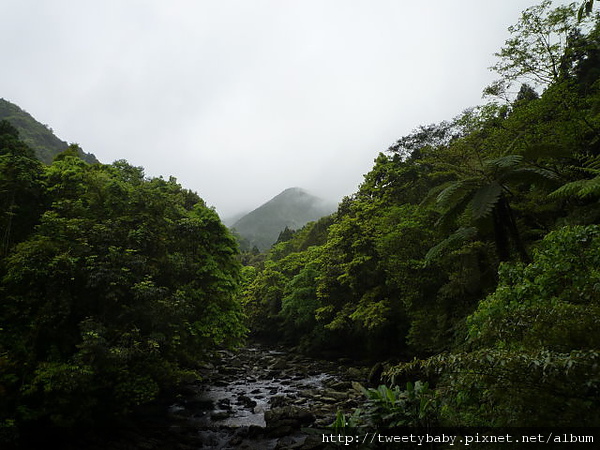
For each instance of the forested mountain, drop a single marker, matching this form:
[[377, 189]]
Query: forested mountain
[[472, 249], [37, 136], [292, 209]]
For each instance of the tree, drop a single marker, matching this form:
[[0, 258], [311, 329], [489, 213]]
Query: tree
[[535, 49], [485, 194], [20, 188], [552, 303], [532, 347], [124, 286], [585, 9]]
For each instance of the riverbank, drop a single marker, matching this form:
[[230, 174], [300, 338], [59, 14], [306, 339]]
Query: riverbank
[[256, 398]]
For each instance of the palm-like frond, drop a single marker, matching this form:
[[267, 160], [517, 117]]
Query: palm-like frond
[[503, 162], [580, 189], [588, 170], [458, 237], [590, 165], [431, 197], [454, 192], [529, 175], [593, 163], [540, 151], [485, 199]]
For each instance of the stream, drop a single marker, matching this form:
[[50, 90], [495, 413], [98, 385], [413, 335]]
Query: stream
[[262, 398]]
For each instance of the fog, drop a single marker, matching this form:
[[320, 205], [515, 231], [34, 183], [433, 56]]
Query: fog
[[241, 99]]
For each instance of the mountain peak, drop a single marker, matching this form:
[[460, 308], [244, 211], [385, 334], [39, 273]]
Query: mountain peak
[[292, 208], [294, 190]]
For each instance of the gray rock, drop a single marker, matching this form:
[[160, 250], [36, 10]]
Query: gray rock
[[289, 417], [279, 364], [278, 401]]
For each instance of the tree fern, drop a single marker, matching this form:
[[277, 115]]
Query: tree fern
[[485, 192]]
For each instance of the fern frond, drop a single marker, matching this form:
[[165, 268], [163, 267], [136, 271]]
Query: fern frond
[[530, 174], [567, 190], [580, 189], [537, 151], [503, 162], [591, 188], [587, 170], [458, 237], [451, 215], [592, 163], [454, 193], [485, 199], [432, 195]]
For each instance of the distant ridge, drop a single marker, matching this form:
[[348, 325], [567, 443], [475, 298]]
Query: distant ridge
[[292, 208], [36, 135], [230, 220]]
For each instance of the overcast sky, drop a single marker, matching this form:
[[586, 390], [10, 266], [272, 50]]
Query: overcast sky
[[241, 99]]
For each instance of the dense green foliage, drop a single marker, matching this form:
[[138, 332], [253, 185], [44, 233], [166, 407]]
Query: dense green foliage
[[533, 344], [113, 286], [471, 248]]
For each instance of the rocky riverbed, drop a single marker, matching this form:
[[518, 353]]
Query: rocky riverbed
[[261, 398], [257, 398]]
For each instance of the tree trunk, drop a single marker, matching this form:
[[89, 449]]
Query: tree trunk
[[507, 220]]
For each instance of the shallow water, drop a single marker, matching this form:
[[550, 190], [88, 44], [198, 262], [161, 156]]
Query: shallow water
[[241, 386]]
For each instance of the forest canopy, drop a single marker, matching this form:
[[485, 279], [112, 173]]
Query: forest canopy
[[114, 286]]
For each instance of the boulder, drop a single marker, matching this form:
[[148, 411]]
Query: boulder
[[285, 420]]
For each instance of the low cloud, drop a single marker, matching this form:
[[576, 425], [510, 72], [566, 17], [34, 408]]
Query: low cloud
[[240, 100]]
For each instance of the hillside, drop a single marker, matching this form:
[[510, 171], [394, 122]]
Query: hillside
[[35, 134], [230, 220], [293, 208]]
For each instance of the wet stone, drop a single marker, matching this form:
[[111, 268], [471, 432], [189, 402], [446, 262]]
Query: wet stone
[[277, 400], [224, 403], [275, 394], [246, 401]]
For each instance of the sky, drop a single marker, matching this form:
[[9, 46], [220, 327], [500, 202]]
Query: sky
[[241, 99]]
